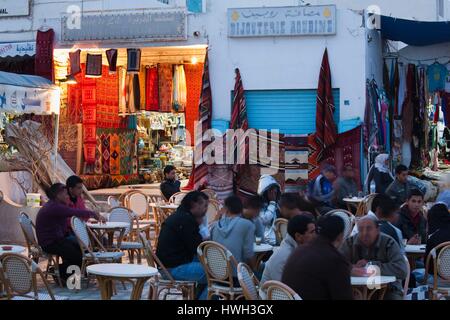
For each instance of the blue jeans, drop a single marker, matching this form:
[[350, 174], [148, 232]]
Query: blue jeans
[[191, 272]]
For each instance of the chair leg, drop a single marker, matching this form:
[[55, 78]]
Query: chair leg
[[139, 256], [131, 256]]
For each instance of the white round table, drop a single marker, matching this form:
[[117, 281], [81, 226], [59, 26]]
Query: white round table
[[415, 249], [365, 287], [14, 249], [170, 206], [261, 248], [106, 273], [108, 225], [355, 201], [414, 252]]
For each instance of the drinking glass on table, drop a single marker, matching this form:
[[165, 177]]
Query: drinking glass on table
[[258, 240]]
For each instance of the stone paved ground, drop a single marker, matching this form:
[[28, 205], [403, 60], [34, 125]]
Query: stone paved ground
[[92, 292]]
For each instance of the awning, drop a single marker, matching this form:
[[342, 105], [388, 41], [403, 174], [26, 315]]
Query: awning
[[415, 33], [14, 49], [28, 94]]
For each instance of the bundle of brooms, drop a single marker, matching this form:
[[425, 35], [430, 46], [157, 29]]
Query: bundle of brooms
[[35, 155]]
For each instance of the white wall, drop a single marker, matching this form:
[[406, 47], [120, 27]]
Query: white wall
[[265, 63], [283, 63]]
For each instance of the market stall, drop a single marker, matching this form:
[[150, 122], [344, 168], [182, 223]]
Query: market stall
[[407, 113], [128, 112]]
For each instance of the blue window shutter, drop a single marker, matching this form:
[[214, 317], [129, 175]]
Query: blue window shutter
[[289, 111], [194, 5]]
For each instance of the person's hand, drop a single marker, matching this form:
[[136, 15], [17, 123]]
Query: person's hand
[[415, 240], [272, 195], [359, 272], [361, 263]]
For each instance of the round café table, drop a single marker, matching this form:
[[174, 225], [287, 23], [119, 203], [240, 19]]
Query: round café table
[[8, 248], [414, 252], [106, 273], [352, 202], [108, 229], [261, 250], [365, 287]]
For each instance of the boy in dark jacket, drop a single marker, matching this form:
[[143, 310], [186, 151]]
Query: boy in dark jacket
[[180, 237]]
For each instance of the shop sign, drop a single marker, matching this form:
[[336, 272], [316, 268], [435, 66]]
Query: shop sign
[[17, 49], [21, 100], [282, 21], [154, 25], [14, 8]]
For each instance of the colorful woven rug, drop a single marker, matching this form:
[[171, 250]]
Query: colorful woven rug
[[43, 65], [165, 87], [152, 89], [115, 154], [106, 152], [347, 151], [194, 74]]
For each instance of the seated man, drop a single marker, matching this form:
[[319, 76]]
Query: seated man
[[317, 270], [400, 188], [320, 190], [411, 221], [252, 207], [301, 230], [289, 205], [51, 227], [234, 232], [74, 186], [371, 247], [170, 185], [345, 187], [179, 238]]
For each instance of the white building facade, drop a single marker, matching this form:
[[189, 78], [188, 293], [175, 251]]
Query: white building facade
[[266, 63]]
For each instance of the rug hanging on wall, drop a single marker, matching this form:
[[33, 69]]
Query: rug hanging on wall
[[347, 151], [165, 77], [43, 65]]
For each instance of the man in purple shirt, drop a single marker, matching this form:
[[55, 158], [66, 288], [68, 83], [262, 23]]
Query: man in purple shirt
[[51, 223]]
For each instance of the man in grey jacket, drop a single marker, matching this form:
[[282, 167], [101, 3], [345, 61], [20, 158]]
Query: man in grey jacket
[[400, 188], [234, 232], [371, 247], [301, 229]]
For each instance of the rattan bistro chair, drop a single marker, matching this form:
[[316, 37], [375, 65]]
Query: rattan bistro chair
[[19, 275], [439, 256], [347, 216], [280, 229], [84, 235], [210, 193], [114, 202], [276, 290], [165, 285], [219, 264], [35, 251], [249, 283], [177, 197], [365, 205], [130, 245], [213, 209]]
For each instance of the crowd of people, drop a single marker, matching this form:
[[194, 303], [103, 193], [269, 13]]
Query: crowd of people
[[316, 258]]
